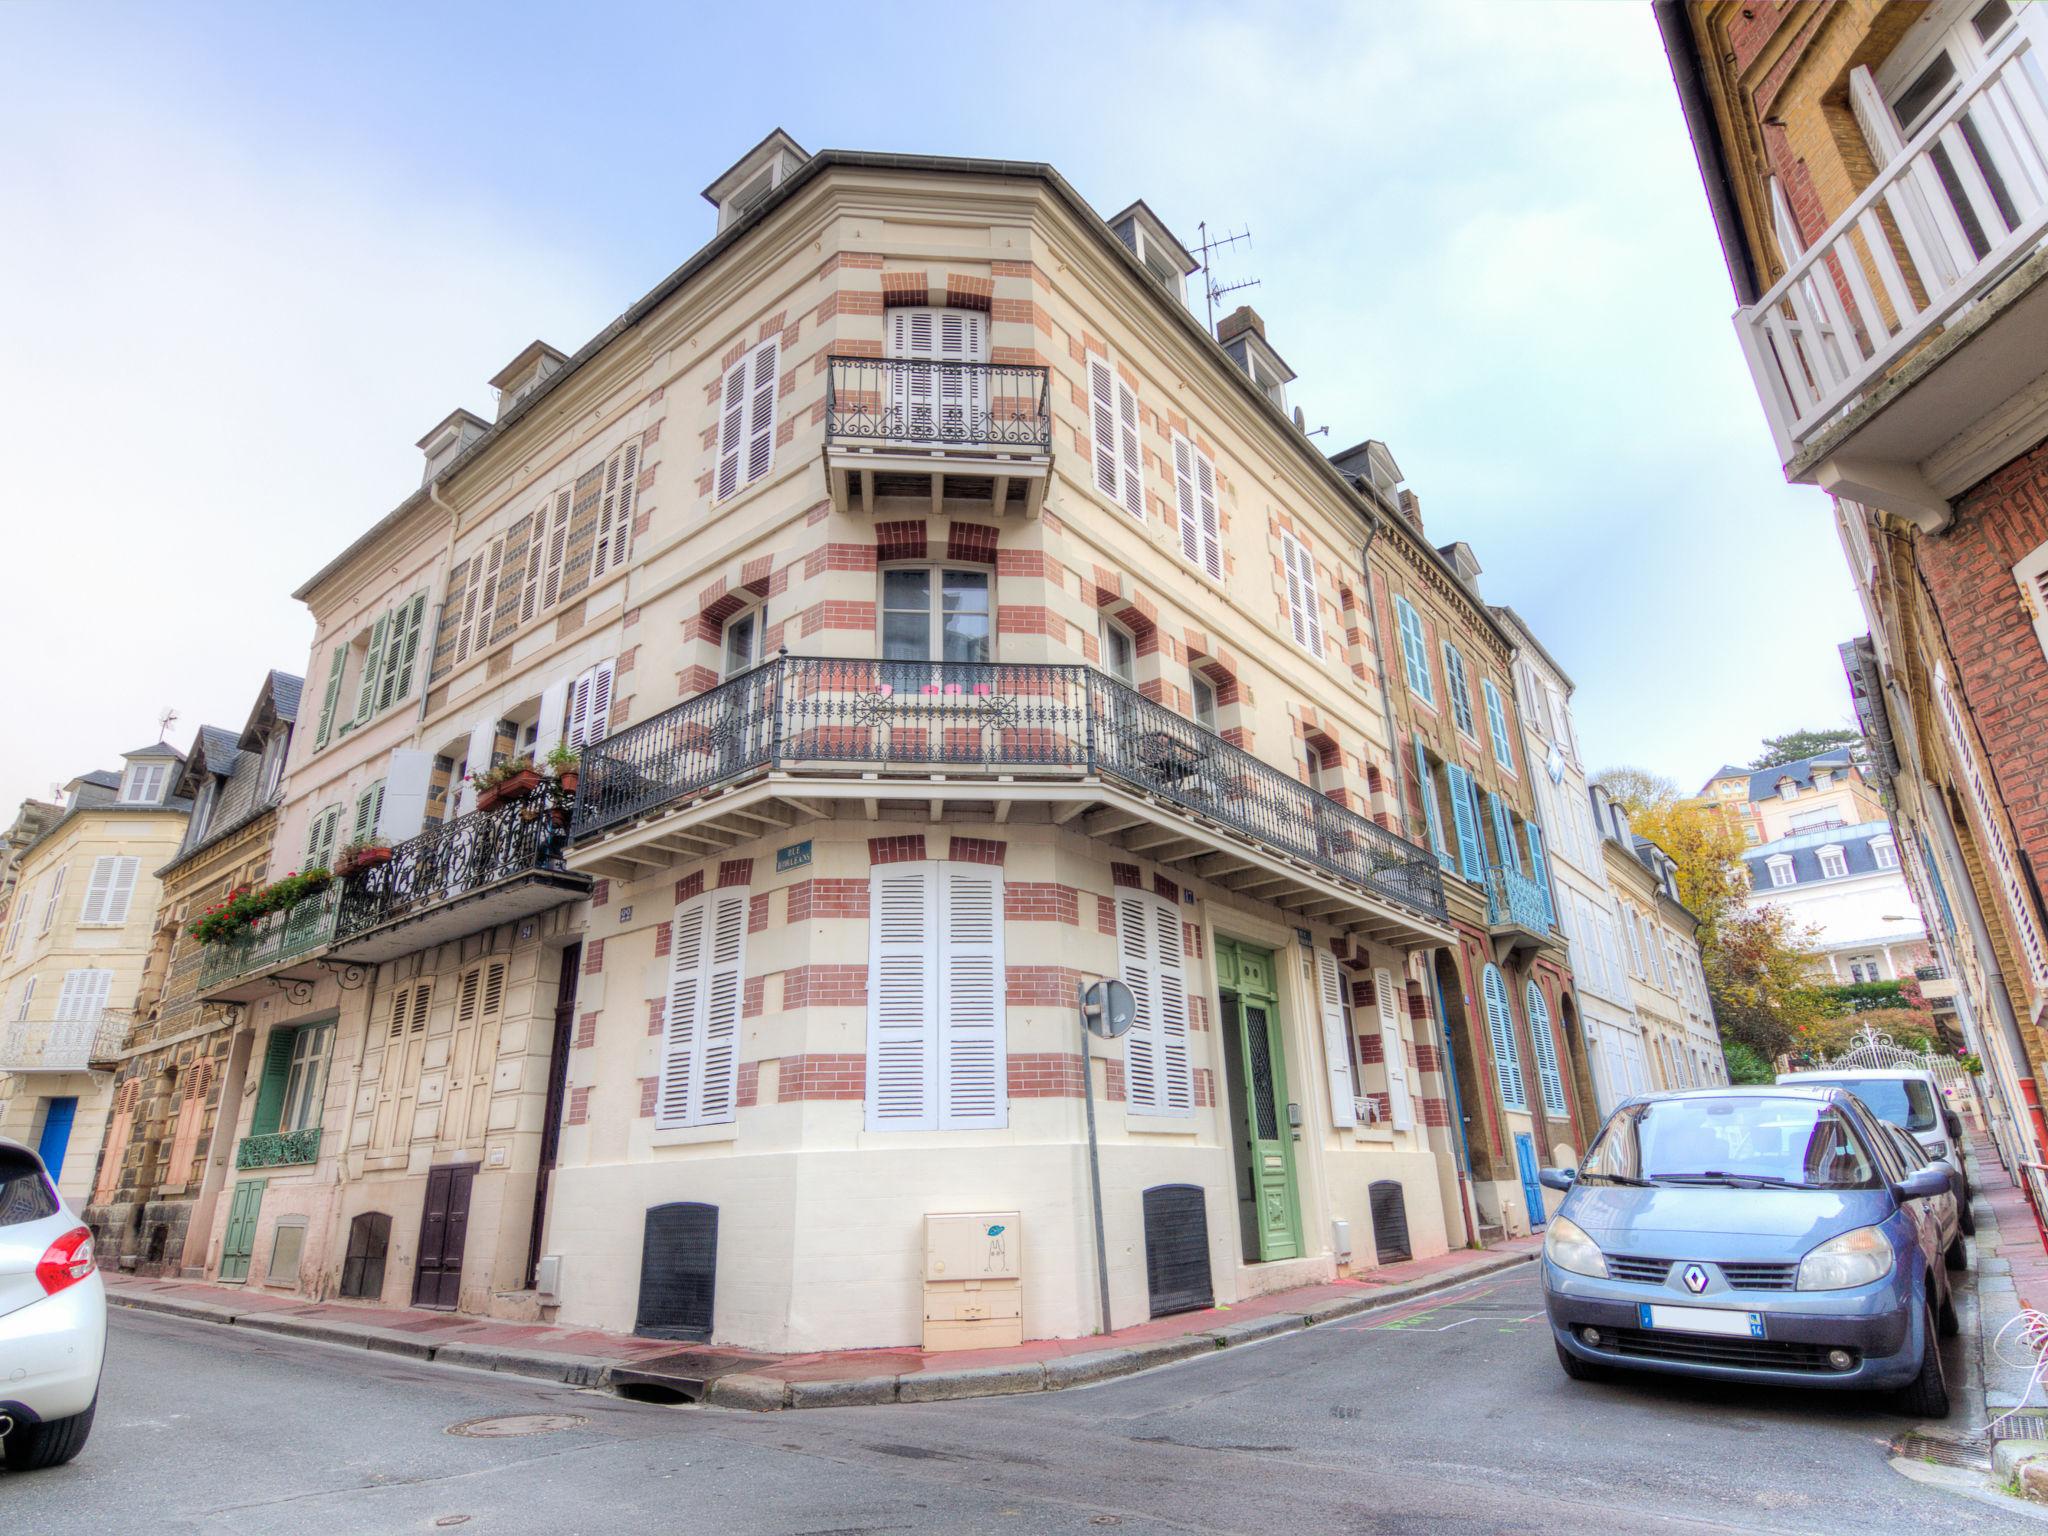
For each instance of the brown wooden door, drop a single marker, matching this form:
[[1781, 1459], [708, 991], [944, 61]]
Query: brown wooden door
[[444, 1227]]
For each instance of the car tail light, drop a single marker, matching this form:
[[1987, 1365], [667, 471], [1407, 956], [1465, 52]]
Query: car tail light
[[68, 1261]]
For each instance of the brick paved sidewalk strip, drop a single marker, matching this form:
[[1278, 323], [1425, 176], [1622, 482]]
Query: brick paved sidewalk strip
[[588, 1358]]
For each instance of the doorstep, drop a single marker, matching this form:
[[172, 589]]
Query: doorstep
[[734, 1378]]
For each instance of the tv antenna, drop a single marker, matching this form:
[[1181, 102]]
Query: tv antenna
[[1212, 289], [164, 722]]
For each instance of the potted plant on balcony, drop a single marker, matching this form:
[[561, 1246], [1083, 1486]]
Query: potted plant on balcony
[[512, 780], [566, 763], [359, 854], [247, 905]]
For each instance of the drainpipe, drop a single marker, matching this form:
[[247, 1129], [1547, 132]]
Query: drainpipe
[[441, 606], [1461, 1148], [1379, 665]]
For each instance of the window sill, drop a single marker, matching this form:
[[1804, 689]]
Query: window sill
[[1162, 1125], [695, 1135]]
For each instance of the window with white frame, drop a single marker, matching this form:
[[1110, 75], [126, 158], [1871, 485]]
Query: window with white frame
[[1119, 653], [1414, 652], [1884, 852], [1304, 606], [305, 1080], [1865, 968], [740, 643], [1788, 790], [143, 783], [1834, 863], [746, 420], [1780, 868], [1194, 490], [1497, 725], [1119, 460], [109, 891], [1204, 693], [934, 614], [1460, 690]]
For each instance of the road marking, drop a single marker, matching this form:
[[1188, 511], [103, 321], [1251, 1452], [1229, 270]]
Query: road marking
[[1461, 1322]]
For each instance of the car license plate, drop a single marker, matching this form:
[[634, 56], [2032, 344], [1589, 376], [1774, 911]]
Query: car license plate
[[1739, 1325]]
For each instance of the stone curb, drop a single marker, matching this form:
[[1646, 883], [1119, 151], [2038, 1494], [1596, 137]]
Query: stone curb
[[757, 1393]]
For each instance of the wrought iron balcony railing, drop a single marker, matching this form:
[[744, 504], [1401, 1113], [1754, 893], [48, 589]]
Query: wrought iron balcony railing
[[453, 860], [883, 400], [65, 1045], [279, 1149], [306, 925], [998, 717], [1514, 900]]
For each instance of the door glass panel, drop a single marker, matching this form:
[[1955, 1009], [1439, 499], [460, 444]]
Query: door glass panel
[[1991, 21], [907, 614], [740, 643], [1259, 1046]]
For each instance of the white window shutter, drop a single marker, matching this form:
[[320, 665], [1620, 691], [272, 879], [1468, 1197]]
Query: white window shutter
[[1152, 963], [1400, 1105], [554, 718], [97, 985], [973, 1059], [2032, 575], [615, 511], [590, 705], [1304, 610], [725, 944], [682, 1039], [54, 900], [121, 890], [1212, 522], [902, 998], [1129, 453], [405, 793], [732, 426], [1184, 498], [1102, 425], [1336, 1040], [761, 411], [483, 737], [97, 890]]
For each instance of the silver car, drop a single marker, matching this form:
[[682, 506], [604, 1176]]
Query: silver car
[[53, 1318]]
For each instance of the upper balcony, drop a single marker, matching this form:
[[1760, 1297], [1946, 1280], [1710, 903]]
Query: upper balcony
[[801, 738], [280, 950], [1518, 913], [65, 1045], [937, 431], [1920, 313], [458, 878]]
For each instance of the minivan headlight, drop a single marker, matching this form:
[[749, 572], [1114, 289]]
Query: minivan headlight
[[1856, 1257], [1567, 1246]]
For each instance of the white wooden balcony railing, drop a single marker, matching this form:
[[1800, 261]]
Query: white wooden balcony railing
[[64, 1045], [1949, 212]]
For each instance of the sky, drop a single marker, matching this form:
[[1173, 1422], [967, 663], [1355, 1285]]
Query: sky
[[249, 254]]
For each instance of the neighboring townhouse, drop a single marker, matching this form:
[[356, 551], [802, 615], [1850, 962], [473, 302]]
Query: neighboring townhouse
[[1616, 1054], [1846, 884], [1810, 794], [1504, 990], [180, 1070], [73, 953], [29, 820], [1874, 172], [939, 619]]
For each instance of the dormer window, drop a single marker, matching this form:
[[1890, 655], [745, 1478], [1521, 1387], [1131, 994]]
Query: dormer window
[[1788, 789], [752, 179], [1885, 852], [1781, 869], [143, 784], [1148, 238], [1833, 862]]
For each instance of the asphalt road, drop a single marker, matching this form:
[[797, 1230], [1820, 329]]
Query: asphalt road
[[1450, 1416]]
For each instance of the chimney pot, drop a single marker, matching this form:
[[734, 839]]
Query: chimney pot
[[1238, 321]]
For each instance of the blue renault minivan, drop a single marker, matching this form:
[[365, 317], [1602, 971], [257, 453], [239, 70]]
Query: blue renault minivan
[[1751, 1234]]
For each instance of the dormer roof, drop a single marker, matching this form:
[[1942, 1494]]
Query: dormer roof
[[530, 360], [769, 163], [155, 750]]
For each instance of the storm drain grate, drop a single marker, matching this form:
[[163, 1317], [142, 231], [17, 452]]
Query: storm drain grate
[[1945, 1450], [2021, 1426]]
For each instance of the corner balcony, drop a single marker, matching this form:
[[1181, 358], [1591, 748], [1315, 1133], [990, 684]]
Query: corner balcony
[[1518, 915], [1884, 351], [279, 953], [279, 1149], [937, 432], [805, 738], [459, 878], [66, 1045]]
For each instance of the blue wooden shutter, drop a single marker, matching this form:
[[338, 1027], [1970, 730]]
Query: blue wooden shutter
[[1465, 812], [1503, 833], [1414, 651], [1539, 867], [1500, 1029], [1429, 807], [1548, 1076]]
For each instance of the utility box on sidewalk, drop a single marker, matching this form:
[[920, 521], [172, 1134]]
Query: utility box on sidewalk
[[973, 1266]]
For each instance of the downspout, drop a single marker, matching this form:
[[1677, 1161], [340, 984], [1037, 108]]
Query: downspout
[[441, 603], [1460, 1146], [1379, 666]]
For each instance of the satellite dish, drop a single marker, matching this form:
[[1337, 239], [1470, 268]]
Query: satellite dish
[[1107, 1008]]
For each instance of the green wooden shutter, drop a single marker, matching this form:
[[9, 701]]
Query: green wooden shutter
[[333, 696], [366, 696], [412, 629], [277, 1066], [1429, 806], [1465, 813]]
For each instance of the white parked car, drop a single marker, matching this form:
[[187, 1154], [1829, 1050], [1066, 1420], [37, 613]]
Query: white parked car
[[53, 1318], [1911, 1099]]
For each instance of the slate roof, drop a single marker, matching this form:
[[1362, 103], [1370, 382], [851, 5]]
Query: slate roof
[[216, 748], [284, 694], [156, 749], [1804, 851], [1763, 784]]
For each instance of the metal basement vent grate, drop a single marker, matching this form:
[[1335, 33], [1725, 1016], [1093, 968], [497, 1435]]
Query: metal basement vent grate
[[2021, 1426]]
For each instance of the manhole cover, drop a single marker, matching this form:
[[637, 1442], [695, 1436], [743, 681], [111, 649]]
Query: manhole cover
[[1960, 1451], [506, 1425], [2021, 1426]]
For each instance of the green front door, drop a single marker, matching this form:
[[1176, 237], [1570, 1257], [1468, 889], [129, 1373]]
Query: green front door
[[240, 1241], [1255, 1060]]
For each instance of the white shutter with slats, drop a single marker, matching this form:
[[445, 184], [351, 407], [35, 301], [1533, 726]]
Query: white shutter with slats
[[732, 428], [1212, 521], [483, 739], [1102, 425], [1304, 608], [99, 891], [761, 410], [615, 511], [2032, 575], [682, 1038], [1130, 455], [903, 1026], [98, 984], [590, 705], [54, 900], [1184, 499], [121, 890], [1400, 1105], [1336, 1040], [973, 1059], [67, 997], [701, 1023], [1152, 962], [554, 718], [25, 996]]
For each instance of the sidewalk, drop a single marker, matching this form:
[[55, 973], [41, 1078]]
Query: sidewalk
[[663, 1371]]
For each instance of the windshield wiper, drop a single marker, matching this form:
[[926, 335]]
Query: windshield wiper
[[1717, 1176], [1619, 1178]]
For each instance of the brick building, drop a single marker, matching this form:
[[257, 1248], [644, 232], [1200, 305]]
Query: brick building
[[1875, 174]]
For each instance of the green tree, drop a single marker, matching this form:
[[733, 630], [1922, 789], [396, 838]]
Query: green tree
[[1794, 745], [1745, 1067], [1756, 977], [1712, 880]]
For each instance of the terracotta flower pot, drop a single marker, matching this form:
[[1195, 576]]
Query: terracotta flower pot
[[568, 778], [517, 787]]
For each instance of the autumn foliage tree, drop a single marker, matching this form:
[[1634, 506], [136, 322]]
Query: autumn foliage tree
[[1708, 853]]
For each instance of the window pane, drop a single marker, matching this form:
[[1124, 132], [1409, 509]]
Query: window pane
[[906, 636], [966, 591], [967, 637], [739, 644], [907, 588]]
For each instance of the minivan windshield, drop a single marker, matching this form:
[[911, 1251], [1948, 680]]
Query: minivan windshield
[[1905, 1101], [1740, 1140]]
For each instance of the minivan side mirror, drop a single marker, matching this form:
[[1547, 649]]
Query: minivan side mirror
[[1954, 1122], [1559, 1179], [1923, 1183]]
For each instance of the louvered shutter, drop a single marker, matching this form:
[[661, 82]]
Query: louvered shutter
[[732, 426], [1503, 833], [366, 695], [2032, 575], [1549, 1078], [1497, 725], [1102, 425], [554, 718], [557, 548], [1212, 521], [1414, 651], [902, 998], [1461, 690], [121, 890], [1158, 1078], [962, 341], [761, 411], [369, 811], [1465, 814], [483, 738], [615, 511], [1432, 814], [1184, 498], [408, 657], [682, 1041], [1400, 1105], [1539, 867], [332, 698], [93, 1000], [68, 997], [973, 1061], [1336, 1040], [1500, 1026], [97, 891], [590, 705], [1297, 600], [54, 900], [28, 997], [1130, 455], [717, 1085]]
